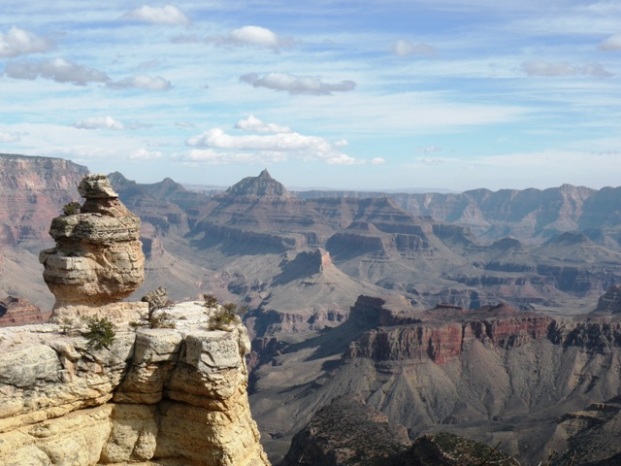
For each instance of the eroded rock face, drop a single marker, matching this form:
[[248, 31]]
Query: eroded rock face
[[20, 311], [156, 396], [98, 258]]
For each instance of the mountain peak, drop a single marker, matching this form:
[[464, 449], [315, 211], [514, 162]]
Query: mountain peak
[[262, 185]]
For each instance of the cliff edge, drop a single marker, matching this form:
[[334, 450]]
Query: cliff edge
[[117, 383]]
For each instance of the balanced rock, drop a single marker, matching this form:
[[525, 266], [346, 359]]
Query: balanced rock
[[98, 258]]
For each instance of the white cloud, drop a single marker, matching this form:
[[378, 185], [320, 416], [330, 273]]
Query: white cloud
[[217, 146], [57, 69], [311, 85], [558, 69], [168, 14], [19, 42], [378, 161], [255, 125], [404, 48], [612, 43], [106, 122], [9, 137], [253, 36], [152, 83]]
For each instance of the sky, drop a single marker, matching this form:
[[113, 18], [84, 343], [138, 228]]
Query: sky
[[364, 95]]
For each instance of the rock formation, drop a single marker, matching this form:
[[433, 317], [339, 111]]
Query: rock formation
[[20, 311], [610, 302], [98, 258], [349, 432], [169, 390], [157, 396]]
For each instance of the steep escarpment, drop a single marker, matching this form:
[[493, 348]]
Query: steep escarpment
[[495, 375]]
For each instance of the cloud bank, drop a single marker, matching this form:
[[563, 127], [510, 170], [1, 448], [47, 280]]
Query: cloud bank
[[273, 143], [168, 14], [559, 69], [310, 85], [150, 83], [20, 42], [106, 122], [404, 48], [613, 43], [57, 69]]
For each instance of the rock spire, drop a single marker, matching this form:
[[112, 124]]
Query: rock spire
[[98, 259]]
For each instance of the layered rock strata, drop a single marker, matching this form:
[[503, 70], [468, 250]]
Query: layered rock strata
[[98, 258], [20, 311], [157, 396]]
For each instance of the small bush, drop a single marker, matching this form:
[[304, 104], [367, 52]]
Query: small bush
[[162, 320], [72, 208], [226, 315], [210, 300], [100, 333]]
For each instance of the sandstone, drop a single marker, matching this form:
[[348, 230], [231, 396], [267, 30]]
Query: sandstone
[[98, 257], [156, 396]]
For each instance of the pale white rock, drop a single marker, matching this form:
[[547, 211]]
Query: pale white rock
[[156, 396]]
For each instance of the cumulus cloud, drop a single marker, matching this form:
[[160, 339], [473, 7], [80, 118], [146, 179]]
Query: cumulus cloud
[[378, 161], [611, 44], [255, 125], [57, 69], [559, 69], [106, 122], [168, 14], [19, 42], [404, 48], [279, 144], [152, 83], [9, 137], [311, 85], [252, 36]]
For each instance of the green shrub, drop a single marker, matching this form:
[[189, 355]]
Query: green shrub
[[226, 315], [100, 333], [72, 208]]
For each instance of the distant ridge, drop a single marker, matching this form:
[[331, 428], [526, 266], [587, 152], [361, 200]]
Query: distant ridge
[[262, 185]]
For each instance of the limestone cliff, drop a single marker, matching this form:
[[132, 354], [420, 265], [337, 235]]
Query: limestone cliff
[[158, 396]]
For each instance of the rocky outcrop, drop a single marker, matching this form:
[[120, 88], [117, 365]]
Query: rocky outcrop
[[20, 311], [347, 432], [610, 302], [590, 436], [107, 384], [98, 258], [350, 432], [168, 396], [441, 334]]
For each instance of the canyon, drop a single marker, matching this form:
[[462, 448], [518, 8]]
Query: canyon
[[490, 315]]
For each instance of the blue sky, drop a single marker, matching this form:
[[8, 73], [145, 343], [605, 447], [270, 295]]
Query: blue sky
[[381, 94]]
